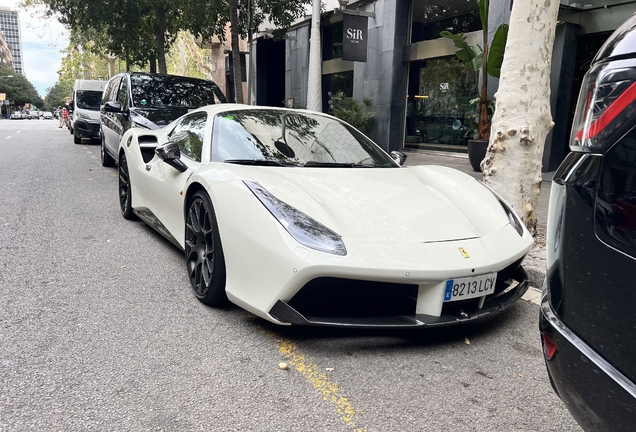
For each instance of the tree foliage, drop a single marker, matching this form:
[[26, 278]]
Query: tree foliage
[[142, 31], [18, 89], [58, 94]]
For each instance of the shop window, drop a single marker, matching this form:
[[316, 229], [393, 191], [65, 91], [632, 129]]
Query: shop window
[[455, 16], [439, 112], [332, 41]]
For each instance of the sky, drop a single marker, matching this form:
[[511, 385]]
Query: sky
[[42, 42]]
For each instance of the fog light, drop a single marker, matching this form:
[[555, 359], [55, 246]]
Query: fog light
[[549, 348]]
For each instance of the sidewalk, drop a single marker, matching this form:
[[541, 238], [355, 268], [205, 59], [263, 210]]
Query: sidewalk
[[534, 264]]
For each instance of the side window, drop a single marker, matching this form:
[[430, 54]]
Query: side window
[[111, 90], [123, 92], [616, 198], [189, 135]]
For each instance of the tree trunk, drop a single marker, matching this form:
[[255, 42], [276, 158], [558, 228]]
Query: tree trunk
[[111, 60], [127, 55], [153, 64], [160, 40], [236, 53], [522, 117]]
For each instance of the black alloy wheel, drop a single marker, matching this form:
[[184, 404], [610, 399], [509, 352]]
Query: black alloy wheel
[[203, 252], [125, 192], [107, 159]]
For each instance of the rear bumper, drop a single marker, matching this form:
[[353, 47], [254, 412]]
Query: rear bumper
[[86, 128], [597, 395]]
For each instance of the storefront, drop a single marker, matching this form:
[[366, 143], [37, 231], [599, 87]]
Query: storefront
[[424, 96], [442, 90]]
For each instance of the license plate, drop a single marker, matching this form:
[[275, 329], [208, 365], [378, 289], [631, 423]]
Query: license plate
[[470, 287]]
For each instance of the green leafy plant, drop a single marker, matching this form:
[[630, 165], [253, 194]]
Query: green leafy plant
[[356, 113], [487, 59]]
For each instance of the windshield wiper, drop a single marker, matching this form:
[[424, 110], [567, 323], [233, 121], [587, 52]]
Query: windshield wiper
[[338, 165], [259, 162]]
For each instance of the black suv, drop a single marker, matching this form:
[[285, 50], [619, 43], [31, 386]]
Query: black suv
[[151, 101], [587, 321]]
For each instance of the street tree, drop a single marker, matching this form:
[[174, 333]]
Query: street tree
[[218, 13], [187, 58], [522, 118], [137, 30], [58, 94], [18, 89]]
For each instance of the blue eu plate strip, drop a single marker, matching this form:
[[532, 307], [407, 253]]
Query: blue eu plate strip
[[449, 290]]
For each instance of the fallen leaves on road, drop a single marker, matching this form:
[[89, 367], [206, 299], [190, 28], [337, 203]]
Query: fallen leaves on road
[[329, 369], [466, 341], [283, 366], [122, 267]]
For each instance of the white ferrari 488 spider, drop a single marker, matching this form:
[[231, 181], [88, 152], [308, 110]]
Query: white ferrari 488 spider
[[299, 218]]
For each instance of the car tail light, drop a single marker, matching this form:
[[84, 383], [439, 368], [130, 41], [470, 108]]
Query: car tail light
[[549, 348], [606, 104]]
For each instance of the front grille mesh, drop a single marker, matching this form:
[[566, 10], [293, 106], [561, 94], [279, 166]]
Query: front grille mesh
[[335, 297]]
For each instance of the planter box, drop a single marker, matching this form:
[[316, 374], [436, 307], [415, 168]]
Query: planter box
[[477, 152]]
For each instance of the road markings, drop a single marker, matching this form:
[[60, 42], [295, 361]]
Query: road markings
[[8, 137], [312, 373]]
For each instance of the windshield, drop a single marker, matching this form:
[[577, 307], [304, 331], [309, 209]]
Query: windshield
[[292, 138], [88, 99], [173, 91]]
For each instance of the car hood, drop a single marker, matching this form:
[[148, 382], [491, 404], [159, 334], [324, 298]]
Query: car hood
[[154, 118], [414, 204]]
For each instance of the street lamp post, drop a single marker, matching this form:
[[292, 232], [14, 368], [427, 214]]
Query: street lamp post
[[314, 83], [5, 76]]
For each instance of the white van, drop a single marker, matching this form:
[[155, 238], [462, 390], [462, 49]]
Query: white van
[[87, 96]]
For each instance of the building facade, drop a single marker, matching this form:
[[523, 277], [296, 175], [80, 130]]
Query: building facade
[[10, 27], [6, 55], [423, 95]]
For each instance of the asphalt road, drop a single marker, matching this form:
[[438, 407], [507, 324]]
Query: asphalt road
[[99, 331]]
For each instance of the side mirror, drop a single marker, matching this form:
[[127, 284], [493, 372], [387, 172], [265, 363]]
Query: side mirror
[[170, 154], [112, 107], [398, 157]]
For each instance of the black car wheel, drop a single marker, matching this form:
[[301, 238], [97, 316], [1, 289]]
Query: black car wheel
[[107, 159], [203, 252], [125, 192], [76, 139]]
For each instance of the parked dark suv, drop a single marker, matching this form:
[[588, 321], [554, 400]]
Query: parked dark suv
[[588, 318], [151, 101]]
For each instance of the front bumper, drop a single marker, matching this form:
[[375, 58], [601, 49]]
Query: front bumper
[[513, 287], [597, 395], [86, 128]]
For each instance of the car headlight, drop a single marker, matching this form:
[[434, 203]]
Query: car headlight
[[300, 226], [81, 115], [512, 216]]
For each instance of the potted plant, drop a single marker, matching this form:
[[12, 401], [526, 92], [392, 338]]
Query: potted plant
[[488, 61]]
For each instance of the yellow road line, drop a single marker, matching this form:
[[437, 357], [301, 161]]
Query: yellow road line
[[319, 380]]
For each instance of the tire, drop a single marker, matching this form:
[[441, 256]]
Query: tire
[[76, 139], [125, 190], [203, 252], [107, 160]]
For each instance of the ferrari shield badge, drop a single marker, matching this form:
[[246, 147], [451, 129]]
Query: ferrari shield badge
[[464, 252]]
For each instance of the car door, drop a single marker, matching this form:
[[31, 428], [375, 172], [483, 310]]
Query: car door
[[107, 119], [120, 119], [164, 184]]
